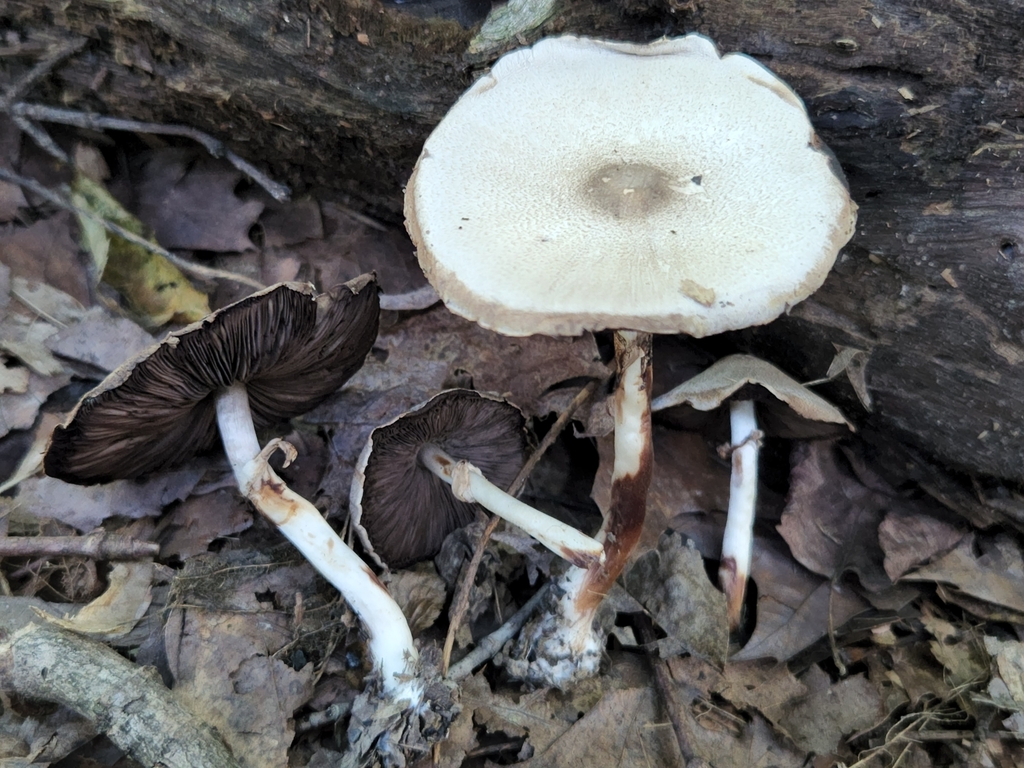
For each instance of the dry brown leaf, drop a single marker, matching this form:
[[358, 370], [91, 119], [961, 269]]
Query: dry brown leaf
[[114, 614], [85, 507], [224, 669], [188, 199], [46, 252], [19, 411], [831, 518], [191, 526], [420, 593], [534, 715], [1008, 656], [910, 537], [768, 687], [671, 583], [832, 710], [100, 339], [793, 605], [624, 728], [291, 223], [221, 654], [960, 651], [987, 568]]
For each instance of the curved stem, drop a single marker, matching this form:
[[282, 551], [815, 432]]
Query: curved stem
[[737, 541], [389, 639], [468, 484]]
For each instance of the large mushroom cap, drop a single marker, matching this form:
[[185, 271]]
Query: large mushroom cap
[[584, 184], [401, 510], [289, 346]]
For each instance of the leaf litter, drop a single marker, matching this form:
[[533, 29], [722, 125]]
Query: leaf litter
[[879, 612]]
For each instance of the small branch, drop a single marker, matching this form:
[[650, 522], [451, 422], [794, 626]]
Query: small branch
[[460, 602], [197, 270], [138, 713], [89, 121], [493, 643], [42, 68], [99, 546]]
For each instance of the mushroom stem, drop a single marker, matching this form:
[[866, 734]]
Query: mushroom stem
[[563, 645], [631, 470], [737, 540], [389, 639], [469, 485]]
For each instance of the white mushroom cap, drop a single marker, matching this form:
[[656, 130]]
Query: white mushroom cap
[[716, 384], [583, 185]]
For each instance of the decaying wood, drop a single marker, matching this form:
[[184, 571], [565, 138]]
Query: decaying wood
[[129, 703], [922, 105]]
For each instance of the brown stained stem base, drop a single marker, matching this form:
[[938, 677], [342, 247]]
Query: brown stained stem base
[[99, 546], [128, 702], [460, 603]]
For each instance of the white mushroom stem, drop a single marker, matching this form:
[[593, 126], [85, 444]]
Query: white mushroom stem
[[737, 542], [389, 639], [469, 485], [566, 646]]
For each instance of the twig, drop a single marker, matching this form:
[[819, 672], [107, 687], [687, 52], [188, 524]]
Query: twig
[[460, 603], [491, 644], [90, 121], [130, 703], [645, 629], [99, 545], [197, 270], [421, 298], [41, 69]]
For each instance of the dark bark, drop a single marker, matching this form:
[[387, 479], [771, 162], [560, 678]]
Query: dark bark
[[923, 106]]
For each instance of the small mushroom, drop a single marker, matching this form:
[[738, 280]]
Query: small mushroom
[[584, 185], [730, 380], [268, 357], [472, 442]]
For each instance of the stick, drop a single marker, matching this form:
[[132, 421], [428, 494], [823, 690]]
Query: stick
[[99, 545], [129, 703], [206, 273], [90, 121]]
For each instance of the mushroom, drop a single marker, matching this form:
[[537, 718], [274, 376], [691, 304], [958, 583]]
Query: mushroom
[[714, 387], [584, 185], [268, 357], [470, 441]]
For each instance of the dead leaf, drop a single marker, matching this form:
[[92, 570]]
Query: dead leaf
[[909, 538], [19, 411], [45, 252], [114, 614], [624, 728], [191, 526], [291, 223], [154, 288], [988, 568], [671, 583], [85, 507], [831, 518], [768, 687], [100, 339], [188, 199], [421, 594], [832, 711]]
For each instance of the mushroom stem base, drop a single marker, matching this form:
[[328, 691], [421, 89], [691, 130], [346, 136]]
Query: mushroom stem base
[[389, 639], [565, 644]]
